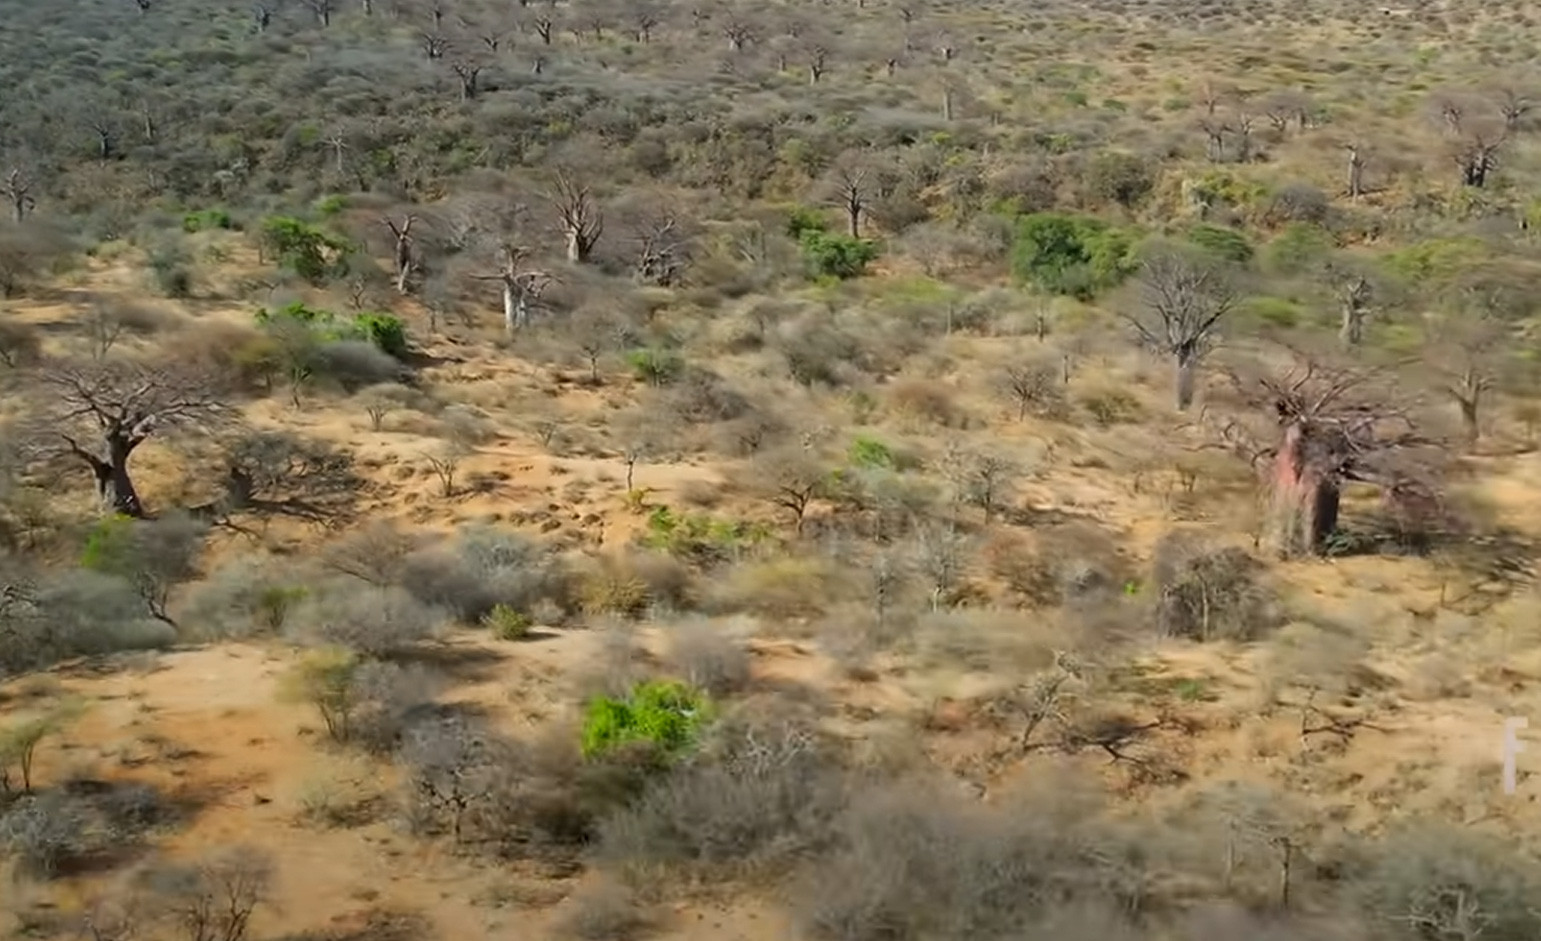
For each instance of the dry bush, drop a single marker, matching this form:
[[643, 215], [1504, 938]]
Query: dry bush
[[604, 910], [708, 656], [370, 619], [983, 639], [633, 583], [48, 833], [754, 798], [482, 568], [1208, 593], [1435, 880], [210, 899], [918, 862], [781, 589], [926, 400], [1025, 571], [241, 599], [73, 613]]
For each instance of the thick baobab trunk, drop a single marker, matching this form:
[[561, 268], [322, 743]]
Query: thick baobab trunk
[[1187, 378], [577, 246], [1303, 504], [1469, 424], [513, 310], [853, 217], [114, 486]]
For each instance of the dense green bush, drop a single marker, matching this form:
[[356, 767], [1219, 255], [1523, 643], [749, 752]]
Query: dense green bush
[[205, 220], [665, 714], [1078, 256], [836, 256], [1227, 244], [384, 331], [304, 249]]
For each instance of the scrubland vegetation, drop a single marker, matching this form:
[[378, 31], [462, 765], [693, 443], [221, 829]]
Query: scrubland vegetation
[[860, 471]]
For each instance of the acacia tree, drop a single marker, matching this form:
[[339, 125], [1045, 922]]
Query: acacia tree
[[99, 413], [1333, 425], [1184, 300]]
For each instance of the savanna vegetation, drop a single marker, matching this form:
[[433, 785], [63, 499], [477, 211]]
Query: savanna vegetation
[[859, 471]]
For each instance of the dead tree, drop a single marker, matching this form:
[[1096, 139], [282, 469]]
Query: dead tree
[[262, 16], [663, 249], [403, 256], [16, 186], [1514, 105], [434, 44], [1476, 155], [1215, 131], [1184, 300], [99, 413], [522, 287], [1333, 426], [644, 19], [323, 10], [469, 72], [852, 185], [738, 34], [1464, 356], [543, 24], [582, 221], [1354, 293], [1356, 161], [817, 56]]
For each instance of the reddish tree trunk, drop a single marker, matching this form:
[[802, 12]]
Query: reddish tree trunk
[[1303, 508]]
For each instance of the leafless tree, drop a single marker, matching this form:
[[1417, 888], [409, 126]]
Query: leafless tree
[[1333, 425], [852, 184], [543, 23], [435, 44], [738, 33], [262, 15], [1355, 293], [468, 69], [16, 186], [644, 19], [281, 474], [816, 55], [99, 413], [403, 258], [1185, 299], [664, 241], [582, 220], [1514, 105], [1358, 156], [523, 287], [213, 899], [1465, 356], [1034, 387], [452, 768], [1475, 155], [323, 9], [791, 479]]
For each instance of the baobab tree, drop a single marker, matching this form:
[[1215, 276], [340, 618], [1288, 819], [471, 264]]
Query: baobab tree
[[580, 216], [1332, 426], [323, 10], [523, 287], [403, 258], [1184, 300], [16, 186], [468, 69], [99, 413]]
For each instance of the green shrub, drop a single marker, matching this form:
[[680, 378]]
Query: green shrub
[[871, 453], [505, 623], [667, 715], [107, 542], [1077, 256], [328, 206], [1296, 249], [836, 256], [1274, 311], [1224, 243], [656, 367], [804, 220], [384, 331], [699, 536], [304, 249], [1121, 178], [1113, 407], [206, 220]]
